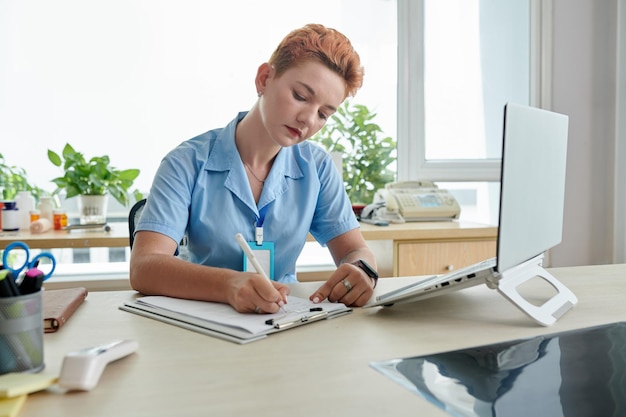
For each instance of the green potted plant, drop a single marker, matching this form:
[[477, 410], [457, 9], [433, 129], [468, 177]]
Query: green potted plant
[[14, 179], [92, 180], [367, 153]]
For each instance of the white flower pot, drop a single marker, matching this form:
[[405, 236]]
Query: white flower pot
[[93, 208]]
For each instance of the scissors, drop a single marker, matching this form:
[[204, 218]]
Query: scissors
[[28, 263]]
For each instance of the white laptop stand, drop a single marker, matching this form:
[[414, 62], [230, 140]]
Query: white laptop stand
[[507, 283]]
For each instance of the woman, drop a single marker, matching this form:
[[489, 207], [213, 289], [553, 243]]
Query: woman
[[259, 177]]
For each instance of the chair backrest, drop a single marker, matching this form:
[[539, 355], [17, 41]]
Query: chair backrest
[[133, 216]]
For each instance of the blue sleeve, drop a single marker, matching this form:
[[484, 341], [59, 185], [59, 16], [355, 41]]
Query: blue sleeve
[[333, 214], [167, 205]]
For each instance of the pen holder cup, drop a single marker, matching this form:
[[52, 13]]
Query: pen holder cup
[[21, 333]]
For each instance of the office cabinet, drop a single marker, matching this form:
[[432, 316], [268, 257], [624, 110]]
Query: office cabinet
[[427, 257], [424, 248]]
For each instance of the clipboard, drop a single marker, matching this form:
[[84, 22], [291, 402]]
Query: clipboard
[[224, 322]]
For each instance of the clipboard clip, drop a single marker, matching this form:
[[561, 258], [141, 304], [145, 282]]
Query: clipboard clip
[[301, 320]]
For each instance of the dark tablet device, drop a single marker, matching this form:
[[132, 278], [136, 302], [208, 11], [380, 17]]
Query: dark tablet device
[[569, 374]]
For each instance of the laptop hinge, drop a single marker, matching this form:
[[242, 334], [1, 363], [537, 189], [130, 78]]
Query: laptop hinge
[[549, 312]]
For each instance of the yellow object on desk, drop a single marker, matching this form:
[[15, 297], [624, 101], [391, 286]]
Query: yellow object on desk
[[10, 407], [15, 387], [15, 384]]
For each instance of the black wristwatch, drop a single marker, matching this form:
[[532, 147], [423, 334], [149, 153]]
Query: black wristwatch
[[371, 272]]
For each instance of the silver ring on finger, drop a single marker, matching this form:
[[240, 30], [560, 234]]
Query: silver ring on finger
[[257, 309], [347, 284]]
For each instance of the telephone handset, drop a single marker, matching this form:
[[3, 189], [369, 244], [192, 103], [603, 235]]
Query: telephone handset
[[416, 201]]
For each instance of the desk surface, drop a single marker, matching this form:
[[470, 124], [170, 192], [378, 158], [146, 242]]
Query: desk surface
[[429, 230], [318, 369]]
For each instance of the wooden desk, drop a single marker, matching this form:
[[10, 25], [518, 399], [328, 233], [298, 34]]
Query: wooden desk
[[117, 237], [318, 369]]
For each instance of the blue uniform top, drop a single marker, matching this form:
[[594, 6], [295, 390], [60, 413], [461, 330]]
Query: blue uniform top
[[201, 188]]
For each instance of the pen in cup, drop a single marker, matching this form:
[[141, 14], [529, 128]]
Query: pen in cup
[[255, 262], [8, 287], [32, 281]]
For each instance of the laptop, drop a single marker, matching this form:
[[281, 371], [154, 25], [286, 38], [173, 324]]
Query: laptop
[[534, 152]]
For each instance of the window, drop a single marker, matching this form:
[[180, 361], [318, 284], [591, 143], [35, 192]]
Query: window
[[458, 66], [476, 58]]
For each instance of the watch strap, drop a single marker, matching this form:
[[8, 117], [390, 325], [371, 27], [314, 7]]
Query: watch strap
[[371, 272]]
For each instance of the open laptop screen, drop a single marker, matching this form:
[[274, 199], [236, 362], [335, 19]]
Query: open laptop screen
[[532, 194], [534, 153]]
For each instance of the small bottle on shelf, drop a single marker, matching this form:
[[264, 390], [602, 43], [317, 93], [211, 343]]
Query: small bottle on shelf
[[35, 215], [60, 219], [25, 202], [10, 217], [46, 208]]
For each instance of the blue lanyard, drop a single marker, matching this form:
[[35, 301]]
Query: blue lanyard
[[258, 233]]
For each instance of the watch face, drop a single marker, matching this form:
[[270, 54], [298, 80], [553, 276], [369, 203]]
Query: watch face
[[367, 268]]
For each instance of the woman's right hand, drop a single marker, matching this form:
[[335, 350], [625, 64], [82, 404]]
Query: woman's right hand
[[252, 293]]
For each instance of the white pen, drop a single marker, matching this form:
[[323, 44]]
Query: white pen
[[255, 262], [250, 254]]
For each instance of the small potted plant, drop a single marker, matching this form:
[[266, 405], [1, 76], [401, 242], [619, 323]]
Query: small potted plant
[[92, 181], [14, 179], [367, 153]]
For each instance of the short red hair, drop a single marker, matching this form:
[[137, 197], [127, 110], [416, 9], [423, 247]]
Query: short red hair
[[318, 43]]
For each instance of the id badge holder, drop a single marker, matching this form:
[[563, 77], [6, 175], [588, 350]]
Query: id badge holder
[[264, 253]]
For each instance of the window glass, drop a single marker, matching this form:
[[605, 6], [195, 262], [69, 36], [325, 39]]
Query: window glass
[[134, 78], [479, 201], [476, 58]]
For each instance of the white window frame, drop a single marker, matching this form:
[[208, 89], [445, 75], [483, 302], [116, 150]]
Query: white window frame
[[619, 222], [412, 163]]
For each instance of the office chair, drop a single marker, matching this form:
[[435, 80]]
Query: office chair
[[133, 217]]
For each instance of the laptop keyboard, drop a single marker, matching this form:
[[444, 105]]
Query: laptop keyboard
[[439, 281]]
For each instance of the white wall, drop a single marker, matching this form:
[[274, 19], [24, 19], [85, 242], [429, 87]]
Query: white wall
[[584, 87]]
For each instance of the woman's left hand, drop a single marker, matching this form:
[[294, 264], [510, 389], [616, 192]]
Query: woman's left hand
[[349, 285]]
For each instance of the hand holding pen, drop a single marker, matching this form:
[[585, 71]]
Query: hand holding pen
[[259, 269]]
